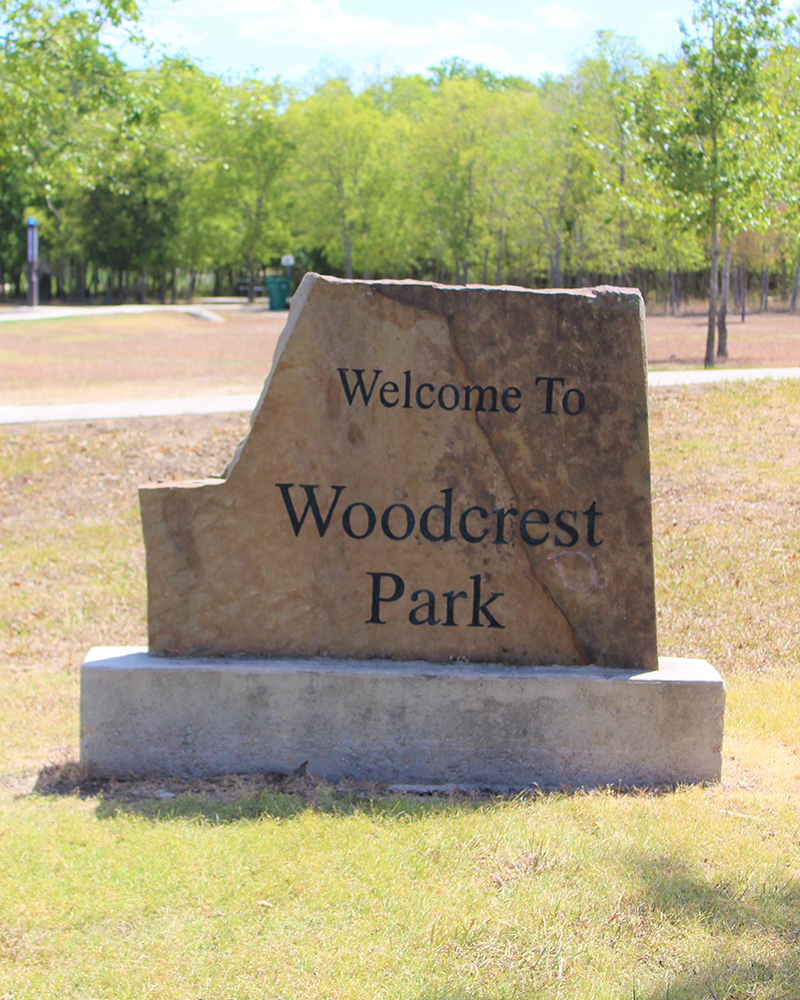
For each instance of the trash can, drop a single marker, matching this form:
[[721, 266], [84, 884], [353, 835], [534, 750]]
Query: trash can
[[278, 291]]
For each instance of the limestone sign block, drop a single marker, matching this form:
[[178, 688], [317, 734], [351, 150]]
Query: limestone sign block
[[432, 473]]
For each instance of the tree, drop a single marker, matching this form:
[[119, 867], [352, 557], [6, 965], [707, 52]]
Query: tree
[[56, 73], [248, 149], [451, 153], [557, 179], [337, 181], [779, 144], [698, 132]]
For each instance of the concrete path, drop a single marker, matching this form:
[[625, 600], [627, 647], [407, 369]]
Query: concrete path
[[711, 375], [22, 314], [59, 412], [111, 410]]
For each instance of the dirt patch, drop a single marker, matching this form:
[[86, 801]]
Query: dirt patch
[[764, 340], [129, 356]]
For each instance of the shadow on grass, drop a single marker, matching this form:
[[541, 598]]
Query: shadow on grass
[[285, 805], [670, 886], [232, 798], [743, 979]]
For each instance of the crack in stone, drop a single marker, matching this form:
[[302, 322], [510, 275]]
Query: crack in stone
[[515, 493], [448, 318]]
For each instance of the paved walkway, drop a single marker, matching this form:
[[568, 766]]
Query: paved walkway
[[59, 412], [115, 410], [711, 375], [22, 314]]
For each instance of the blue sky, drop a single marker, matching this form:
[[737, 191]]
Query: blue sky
[[295, 38]]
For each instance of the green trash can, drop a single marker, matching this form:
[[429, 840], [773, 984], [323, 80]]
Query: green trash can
[[278, 291]]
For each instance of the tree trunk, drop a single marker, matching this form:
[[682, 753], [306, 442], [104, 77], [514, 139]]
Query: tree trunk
[[555, 267], [109, 281], [713, 277], [485, 264], [794, 286], [162, 288], [722, 317], [142, 286], [348, 257], [672, 292], [251, 284], [2, 283], [745, 283], [172, 286], [763, 302], [499, 258], [190, 291]]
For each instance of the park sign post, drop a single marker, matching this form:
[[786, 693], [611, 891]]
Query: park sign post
[[287, 261], [429, 562], [33, 262]]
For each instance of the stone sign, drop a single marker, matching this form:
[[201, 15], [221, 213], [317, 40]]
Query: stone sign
[[432, 473]]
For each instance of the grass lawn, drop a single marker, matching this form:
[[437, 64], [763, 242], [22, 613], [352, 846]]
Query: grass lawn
[[242, 889]]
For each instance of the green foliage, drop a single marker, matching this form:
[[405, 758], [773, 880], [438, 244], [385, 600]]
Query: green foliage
[[702, 117], [339, 180]]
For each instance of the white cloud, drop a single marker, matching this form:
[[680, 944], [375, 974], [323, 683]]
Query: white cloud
[[663, 15], [486, 24], [302, 33], [177, 35], [570, 18], [306, 22]]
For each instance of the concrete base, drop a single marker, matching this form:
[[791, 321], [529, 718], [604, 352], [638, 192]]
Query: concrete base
[[473, 726]]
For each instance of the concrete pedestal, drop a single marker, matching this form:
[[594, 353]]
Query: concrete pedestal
[[470, 725]]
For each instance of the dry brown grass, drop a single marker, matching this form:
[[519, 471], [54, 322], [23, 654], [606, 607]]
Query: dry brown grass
[[72, 560], [726, 510]]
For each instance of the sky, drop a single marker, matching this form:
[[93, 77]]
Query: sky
[[299, 40]]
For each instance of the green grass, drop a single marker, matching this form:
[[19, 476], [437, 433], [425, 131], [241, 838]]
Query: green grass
[[579, 896], [348, 893]]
